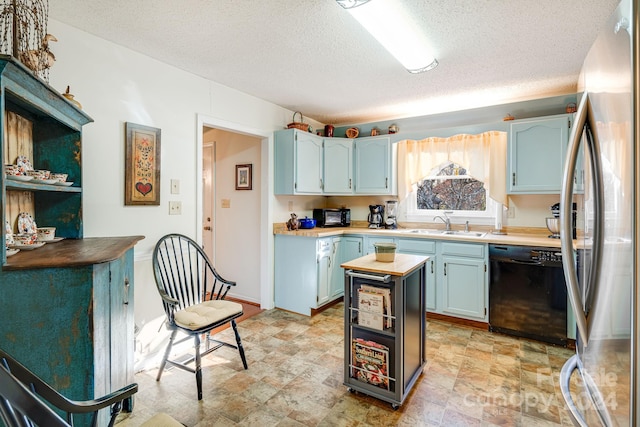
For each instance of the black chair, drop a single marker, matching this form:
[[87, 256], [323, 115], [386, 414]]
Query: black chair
[[23, 396], [193, 297]]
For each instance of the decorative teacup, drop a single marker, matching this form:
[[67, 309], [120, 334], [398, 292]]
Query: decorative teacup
[[46, 233], [26, 239], [61, 177], [11, 170], [39, 174]]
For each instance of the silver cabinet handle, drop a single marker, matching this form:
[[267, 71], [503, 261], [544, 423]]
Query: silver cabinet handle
[[383, 278], [445, 268], [127, 285]]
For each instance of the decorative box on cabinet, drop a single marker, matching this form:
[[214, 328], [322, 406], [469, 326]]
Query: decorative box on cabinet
[[536, 154], [400, 339]]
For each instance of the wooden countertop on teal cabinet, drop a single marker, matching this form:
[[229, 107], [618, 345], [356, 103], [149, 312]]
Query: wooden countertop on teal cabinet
[[402, 265], [72, 253]]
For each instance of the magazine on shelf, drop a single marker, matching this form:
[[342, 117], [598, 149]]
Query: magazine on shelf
[[371, 309], [370, 362], [388, 320]]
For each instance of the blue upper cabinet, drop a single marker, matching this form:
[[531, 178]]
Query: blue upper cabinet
[[373, 165], [298, 162], [338, 166], [536, 154], [309, 164]]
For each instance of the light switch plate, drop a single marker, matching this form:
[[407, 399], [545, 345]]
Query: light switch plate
[[225, 203], [175, 208], [175, 186]]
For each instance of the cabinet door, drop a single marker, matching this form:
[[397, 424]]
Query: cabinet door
[[463, 287], [324, 276], [308, 164], [428, 248], [350, 249], [338, 166], [373, 166], [537, 150], [121, 320], [336, 275]]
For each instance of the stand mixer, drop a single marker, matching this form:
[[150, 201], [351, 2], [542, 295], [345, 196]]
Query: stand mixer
[[376, 216]]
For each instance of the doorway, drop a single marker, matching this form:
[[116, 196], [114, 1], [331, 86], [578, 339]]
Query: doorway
[[234, 222]]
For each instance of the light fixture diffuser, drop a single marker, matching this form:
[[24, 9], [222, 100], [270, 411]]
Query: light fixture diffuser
[[394, 29]]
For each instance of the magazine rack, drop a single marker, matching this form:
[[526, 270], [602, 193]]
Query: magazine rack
[[385, 327]]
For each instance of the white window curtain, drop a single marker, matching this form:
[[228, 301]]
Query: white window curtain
[[483, 155]]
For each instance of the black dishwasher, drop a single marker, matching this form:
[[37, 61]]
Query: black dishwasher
[[527, 293]]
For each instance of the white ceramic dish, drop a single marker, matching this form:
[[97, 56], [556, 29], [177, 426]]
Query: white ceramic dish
[[65, 183], [12, 251], [20, 177], [45, 181], [54, 240], [27, 247]]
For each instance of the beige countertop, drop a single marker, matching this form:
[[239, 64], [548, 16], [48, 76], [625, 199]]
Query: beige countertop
[[402, 265], [522, 236]]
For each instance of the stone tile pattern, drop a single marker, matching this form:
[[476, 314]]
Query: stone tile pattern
[[472, 378]]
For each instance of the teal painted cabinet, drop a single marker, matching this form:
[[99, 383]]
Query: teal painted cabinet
[[68, 306], [373, 165], [338, 166], [536, 154], [428, 248], [72, 325], [309, 164], [370, 242], [298, 162], [463, 280], [304, 271], [348, 248]]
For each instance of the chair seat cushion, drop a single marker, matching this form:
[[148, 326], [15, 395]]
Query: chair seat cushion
[[206, 313], [162, 420]]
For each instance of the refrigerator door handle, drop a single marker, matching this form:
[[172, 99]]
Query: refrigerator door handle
[[580, 306], [566, 235], [565, 380]]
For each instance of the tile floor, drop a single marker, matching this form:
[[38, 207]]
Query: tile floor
[[472, 378]]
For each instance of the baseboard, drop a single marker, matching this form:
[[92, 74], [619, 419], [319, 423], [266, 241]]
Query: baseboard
[[318, 310], [458, 321]]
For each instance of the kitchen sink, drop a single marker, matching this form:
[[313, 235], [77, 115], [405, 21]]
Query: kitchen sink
[[465, 233], [424, 231], [445, 232]]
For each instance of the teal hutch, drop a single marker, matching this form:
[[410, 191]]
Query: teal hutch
[[67, 307]]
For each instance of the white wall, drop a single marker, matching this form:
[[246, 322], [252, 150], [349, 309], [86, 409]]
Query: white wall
[[116, 85]]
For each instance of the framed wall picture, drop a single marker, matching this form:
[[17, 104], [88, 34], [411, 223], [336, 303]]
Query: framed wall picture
[[243, 177], [142, 165]]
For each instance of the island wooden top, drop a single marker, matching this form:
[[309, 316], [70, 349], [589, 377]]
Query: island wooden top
[[72, 253], [402, 265]]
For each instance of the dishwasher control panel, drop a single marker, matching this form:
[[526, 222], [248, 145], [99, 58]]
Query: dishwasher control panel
[[546, 255]]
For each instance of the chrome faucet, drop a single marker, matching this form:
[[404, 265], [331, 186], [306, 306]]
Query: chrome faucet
[[445, 219]]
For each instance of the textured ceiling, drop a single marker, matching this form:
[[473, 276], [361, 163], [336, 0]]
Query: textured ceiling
[[312, 56]]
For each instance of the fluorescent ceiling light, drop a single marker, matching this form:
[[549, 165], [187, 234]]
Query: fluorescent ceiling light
[[395, 30]]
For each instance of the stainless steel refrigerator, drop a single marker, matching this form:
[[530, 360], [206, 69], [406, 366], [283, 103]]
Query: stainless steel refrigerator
[[599, 382]]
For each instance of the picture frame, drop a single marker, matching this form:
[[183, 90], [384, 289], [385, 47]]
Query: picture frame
[[244, 177], [142, 165]]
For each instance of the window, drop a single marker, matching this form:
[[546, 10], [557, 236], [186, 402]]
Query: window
[[448, 188]]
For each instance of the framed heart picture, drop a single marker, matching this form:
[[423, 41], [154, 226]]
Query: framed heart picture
[[142, 165]]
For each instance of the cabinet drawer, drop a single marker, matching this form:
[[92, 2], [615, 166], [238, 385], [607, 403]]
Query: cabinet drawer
[[463, 249], [417, 245]]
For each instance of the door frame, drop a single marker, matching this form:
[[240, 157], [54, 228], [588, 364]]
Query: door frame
[[266, 204]]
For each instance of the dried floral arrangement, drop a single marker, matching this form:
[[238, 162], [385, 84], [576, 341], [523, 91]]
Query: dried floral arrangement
[[23, 34]]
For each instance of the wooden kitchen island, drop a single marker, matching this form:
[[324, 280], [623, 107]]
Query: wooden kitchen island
[[385, 328]]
